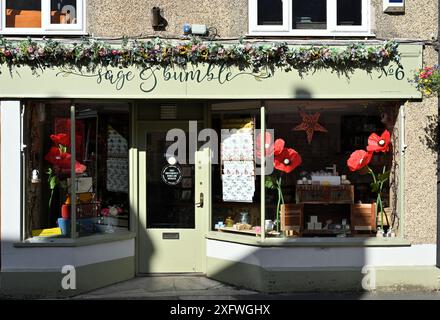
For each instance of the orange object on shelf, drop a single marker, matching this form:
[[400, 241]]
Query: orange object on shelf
[[23, 18]]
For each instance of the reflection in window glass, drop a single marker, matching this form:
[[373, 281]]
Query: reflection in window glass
[[23, 13], [63, 12], [270, 12], [310, 14], [349, 12]]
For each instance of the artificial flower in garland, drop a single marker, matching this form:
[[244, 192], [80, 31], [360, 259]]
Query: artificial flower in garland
[[90, 54]]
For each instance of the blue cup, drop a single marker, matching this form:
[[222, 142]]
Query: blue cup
[[64, 225]]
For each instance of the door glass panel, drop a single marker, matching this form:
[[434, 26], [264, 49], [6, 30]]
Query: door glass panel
[[170, 202], [23, 13], [270, 12], [310, 14], [349, 12]]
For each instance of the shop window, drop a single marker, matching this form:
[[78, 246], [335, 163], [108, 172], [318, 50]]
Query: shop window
[[309, 18], [236, 195], [99, 154], [310, 191], [42, 17]]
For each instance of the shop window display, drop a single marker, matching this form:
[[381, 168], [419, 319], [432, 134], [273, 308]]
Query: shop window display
[[236, 185], [312, 191], [100, 165], [322, 195]]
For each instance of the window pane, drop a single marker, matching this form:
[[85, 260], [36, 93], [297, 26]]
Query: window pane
[[236, 197], [310, 14], [63, 12], [270, 12], [322, 196], [102, 202], [23, 13], [47, 169], [349, 12]]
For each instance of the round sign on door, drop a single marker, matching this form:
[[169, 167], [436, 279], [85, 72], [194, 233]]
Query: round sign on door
[[172, 174]]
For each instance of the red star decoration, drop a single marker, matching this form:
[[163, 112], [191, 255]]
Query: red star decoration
[[310, 125]]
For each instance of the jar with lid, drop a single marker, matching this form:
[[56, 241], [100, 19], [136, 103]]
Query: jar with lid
[[244, 217], [229, 222]]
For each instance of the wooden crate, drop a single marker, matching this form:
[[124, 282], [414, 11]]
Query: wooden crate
[[292, 218], [363, 218]]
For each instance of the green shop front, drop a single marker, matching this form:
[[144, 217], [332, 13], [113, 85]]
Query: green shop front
[[165, 171]]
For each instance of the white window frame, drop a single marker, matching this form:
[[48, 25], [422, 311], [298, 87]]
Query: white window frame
[[46, 27], [332, 28]]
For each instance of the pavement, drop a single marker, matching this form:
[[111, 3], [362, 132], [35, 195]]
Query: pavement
[[184, 287]]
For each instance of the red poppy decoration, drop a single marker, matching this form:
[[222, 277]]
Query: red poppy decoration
[[278, 146], [61, 138], [61, 160], [379, 143], [58, 158], [268, 145], [287, 160], [359, 159]]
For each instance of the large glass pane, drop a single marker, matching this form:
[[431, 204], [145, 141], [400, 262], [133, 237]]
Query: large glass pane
[[102, 144], [311, 14], [47, 169], [349, 13], [170, 185], [23, 13], [322, 197], [270, 12], [236, 196], [63, 12]]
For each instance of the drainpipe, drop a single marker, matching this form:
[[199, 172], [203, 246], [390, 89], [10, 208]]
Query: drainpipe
[[437, 48]]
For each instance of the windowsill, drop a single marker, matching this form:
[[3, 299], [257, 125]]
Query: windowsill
[[309, 242], [357, 34], [79, 242], [20, 33]]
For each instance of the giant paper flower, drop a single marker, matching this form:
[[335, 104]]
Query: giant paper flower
[[271, 148], [61, 160], [359, 159], [268, 145], [61, 138], [379, 143], [287, 160]]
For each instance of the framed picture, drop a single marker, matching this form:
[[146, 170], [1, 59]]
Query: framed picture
[[186, 195], [186, 183]]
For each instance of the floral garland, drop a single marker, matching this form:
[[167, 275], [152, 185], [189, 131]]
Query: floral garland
[[90, 54], [427, 80]]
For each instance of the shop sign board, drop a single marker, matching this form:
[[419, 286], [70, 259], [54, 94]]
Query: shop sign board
[[215, 82]]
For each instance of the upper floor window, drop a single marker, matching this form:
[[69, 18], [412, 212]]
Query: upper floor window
[[309, 17], [42, 17]]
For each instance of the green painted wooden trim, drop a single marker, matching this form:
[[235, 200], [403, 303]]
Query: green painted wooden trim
[[322, 279], [308, 242], [47, 283], [78, 242]]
